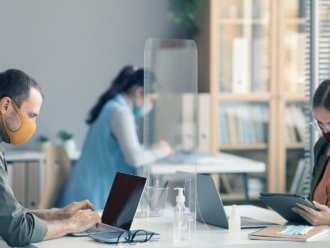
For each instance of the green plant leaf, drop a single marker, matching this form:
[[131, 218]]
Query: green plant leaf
[[184, 12], [64, 135], [42, 138]]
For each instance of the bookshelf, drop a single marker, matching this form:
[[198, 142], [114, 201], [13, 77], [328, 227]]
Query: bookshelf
[[252, 57], [243, 147]]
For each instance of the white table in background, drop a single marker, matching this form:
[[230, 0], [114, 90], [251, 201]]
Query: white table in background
[[34, 156], [227, 164], [205, 236]]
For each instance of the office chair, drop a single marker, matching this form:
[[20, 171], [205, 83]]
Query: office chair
[[58, 169]]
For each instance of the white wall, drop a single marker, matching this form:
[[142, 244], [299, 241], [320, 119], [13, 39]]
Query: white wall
[[73, 48]]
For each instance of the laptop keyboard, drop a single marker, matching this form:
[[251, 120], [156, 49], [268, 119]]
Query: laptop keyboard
[[249, 223], [103, 229], [246, 222], [253, 222]]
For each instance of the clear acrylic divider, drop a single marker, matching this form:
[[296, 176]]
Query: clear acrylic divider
[[170, 131]]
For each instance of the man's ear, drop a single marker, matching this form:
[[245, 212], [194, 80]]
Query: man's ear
[[4, 104]]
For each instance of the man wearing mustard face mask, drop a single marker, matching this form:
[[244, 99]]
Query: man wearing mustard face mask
[[20, 101]]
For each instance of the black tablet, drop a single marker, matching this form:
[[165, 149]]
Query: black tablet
[[282, 204]]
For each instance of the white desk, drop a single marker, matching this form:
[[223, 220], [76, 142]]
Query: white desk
[[227, 164], [34, 156], [210, 236]]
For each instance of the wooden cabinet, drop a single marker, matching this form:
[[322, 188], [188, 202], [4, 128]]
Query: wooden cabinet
[[252, 62]]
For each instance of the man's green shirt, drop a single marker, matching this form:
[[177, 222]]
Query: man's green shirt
[[17, 227]]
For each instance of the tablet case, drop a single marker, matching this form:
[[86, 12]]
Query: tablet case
[[282, 204]]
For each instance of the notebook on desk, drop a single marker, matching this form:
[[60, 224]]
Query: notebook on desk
[[273, 233]]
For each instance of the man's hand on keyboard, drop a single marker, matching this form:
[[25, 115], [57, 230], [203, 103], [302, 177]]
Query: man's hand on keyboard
[[71, 209], [82, 220]]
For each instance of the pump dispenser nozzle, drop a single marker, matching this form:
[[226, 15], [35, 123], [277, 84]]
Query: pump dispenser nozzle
[[234, 211], [180, 197]]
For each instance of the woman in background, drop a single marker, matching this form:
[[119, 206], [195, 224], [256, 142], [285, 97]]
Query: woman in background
[[112, 142]]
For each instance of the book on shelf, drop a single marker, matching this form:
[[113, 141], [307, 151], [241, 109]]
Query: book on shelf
[[239, 125], [302, 178], [299, 122], [251, 126], [290, 135], [245, 131], [295, 125], [298, 177], [259, 69], [223, 132], [225, 186], [240, 66], [232, 125], [243, 124], [256, 184]]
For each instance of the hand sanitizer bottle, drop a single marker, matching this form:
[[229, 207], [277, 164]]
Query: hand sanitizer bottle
[[180, 218], [234, 221]]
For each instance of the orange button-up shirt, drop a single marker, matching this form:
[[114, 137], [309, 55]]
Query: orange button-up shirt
[[322, 191]]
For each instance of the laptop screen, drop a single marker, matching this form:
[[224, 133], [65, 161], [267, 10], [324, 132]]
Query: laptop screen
[[123, 200]]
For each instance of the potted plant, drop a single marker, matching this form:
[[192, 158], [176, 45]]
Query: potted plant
[[68, 142], [184, 12], [43, 143]]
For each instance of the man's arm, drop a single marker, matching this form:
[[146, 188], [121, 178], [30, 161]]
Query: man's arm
[[63, 213], [74, 218], [19, 228]]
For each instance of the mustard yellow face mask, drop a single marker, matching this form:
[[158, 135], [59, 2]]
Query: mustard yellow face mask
[[24, 133]]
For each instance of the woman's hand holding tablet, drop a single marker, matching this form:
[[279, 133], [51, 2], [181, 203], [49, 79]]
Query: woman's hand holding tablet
[[315, 218]]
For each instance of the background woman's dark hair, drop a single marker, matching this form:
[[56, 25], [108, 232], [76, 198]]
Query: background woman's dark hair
[[126, 79], [321, 96]]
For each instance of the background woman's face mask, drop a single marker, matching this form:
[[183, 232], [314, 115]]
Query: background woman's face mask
[[140, 112], [24, 133]]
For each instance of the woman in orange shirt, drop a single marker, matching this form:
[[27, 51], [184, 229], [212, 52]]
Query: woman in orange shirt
[[320, 187]]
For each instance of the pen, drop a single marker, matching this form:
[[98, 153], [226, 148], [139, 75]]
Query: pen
[[161, 194], [154, 193], [166, 184]]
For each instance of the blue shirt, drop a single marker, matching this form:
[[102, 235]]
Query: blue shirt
[[102, 157]]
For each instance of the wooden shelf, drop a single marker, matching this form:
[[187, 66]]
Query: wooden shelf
[[294, 97], [295, 21], [250, 97], [237, 197], [243, 21], [296, 146], [244, 147], [215, 65]]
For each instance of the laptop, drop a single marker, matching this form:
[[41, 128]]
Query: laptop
[[123, 200], [211, 210]]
